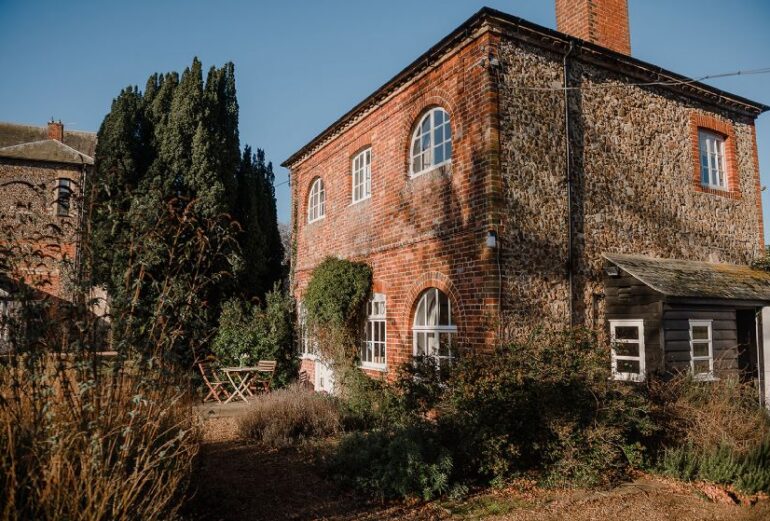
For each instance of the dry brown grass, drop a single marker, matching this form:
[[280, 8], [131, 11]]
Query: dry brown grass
[[712, 414], [81, 443], [287, 416]]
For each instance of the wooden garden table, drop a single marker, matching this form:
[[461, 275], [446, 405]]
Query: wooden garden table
[[239, 378]]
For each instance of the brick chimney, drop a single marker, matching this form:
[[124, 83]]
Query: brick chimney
[[603, 22], [55, 130]]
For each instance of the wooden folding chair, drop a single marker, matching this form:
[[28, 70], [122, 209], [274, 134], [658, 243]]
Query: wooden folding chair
[[265, 370], [217, 390]]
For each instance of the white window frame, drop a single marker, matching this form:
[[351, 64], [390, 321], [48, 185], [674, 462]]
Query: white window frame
[[426, 149], [308, 346], [711, 154], [316, 201], [631, 377], [63, 185], [710, 342], [424, 329], [361, 167], [376, 314]]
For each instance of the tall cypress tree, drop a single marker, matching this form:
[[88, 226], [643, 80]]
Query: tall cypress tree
[[176, 148]]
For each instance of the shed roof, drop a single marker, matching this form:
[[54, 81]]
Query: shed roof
[[683, 278]]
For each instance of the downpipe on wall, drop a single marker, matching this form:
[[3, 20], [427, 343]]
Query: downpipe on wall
[[568, 176]]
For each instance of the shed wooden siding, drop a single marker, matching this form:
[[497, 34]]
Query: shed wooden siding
[[629, 298], [724, 334]]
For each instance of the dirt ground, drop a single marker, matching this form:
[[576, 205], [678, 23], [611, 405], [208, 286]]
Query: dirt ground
[[236, 480]]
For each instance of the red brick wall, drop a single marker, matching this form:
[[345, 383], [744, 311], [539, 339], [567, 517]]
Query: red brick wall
[[603, 22], [416, 233]]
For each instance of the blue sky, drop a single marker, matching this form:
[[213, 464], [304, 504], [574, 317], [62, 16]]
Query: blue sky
[[302, 64]]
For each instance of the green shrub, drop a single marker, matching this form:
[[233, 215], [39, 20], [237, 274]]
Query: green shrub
[[248, 333], [289, 416], [337, 293], [410, 462]]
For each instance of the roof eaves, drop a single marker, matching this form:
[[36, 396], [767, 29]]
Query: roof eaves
[[548, 38]]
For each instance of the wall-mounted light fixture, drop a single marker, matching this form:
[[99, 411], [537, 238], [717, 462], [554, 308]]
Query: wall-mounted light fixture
[[491, 239]]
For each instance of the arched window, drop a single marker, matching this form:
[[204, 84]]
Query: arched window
[[316, 203], [433, 328], [431, 141]]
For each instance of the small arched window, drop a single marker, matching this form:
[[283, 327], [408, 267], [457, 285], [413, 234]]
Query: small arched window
[[434, 328], [316, 203], [431, 141]]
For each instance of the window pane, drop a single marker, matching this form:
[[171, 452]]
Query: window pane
[[445, 344], [439, 155], [447, 150], [701, 366], [628, 366], [438, 117], [420, 344], [626, 349], [431, 343], [444, 318], [700, 332], [426, 126], [431, 307], [627, 332], [700, 349]]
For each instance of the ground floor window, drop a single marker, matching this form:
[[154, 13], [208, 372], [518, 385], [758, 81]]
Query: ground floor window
[[434, 329], [373, 348], [701, 349], [627, 337], [308, 345]]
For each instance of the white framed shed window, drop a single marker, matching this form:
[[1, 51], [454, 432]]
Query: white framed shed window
[[434, 330], [712, 159], [431, 142], [627, 337], [375, 337], [362, 175], [316, 203], [701, 349]]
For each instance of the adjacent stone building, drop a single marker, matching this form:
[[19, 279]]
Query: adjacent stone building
[[42, 170], [493, 182]]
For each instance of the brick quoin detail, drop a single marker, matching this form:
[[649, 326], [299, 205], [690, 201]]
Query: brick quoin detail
[[603, 22], [725, 129]]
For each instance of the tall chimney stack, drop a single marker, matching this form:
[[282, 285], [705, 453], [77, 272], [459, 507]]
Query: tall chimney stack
[[603, 22], [55, 130]]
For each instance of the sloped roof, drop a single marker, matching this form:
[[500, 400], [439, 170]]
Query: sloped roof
[[13, 134], [48, 150], [548, 38], [681, 278]]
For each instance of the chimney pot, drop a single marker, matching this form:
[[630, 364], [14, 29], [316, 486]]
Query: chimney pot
[[56, 130], [603, 22]]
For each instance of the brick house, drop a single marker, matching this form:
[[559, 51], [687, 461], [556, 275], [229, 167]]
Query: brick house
[[42, 170], [515, 177]]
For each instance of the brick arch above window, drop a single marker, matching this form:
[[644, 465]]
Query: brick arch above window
[[725, 129], [433, 279], [418, 108]]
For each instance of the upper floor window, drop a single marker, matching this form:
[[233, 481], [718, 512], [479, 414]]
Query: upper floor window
[[63, 197], [712, 159], [701, 349], [316, 204], [431, 141], [362, 175], [433, 328], [373, 348], [627, 337]]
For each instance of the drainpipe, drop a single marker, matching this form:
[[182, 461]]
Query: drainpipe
[[759, 326], [568, 176]]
